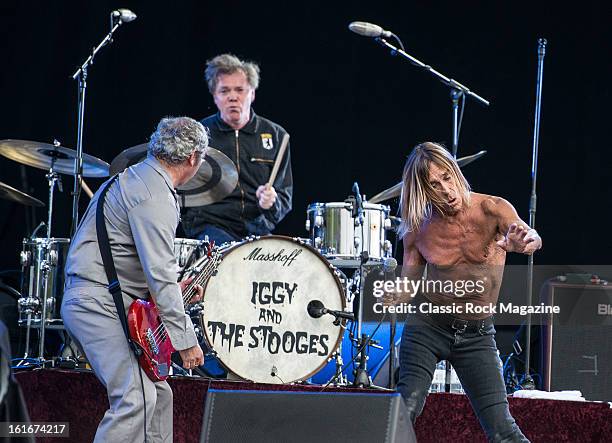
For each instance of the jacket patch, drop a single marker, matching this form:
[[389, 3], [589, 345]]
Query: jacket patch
[[266, 141]]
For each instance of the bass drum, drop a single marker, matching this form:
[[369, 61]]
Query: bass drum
[[255, 310]]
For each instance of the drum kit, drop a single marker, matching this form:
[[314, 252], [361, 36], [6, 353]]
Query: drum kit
[[264, 315], [42, 258]]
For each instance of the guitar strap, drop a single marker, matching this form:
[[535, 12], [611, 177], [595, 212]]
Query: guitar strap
[[114, 286]]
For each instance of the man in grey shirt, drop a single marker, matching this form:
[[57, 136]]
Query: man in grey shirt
[[141, 212]]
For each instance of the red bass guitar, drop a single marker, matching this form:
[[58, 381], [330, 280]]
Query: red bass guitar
[[148, 331]]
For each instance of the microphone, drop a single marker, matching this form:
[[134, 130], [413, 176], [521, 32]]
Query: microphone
[[125, 15], [369, 30], [389, 265], [542, 47], [316, 309], [358, 212]]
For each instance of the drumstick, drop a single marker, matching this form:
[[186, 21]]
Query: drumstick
[[279, 157], [86, 189]]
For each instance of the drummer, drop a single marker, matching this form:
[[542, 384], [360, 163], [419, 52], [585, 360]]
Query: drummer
[[252, 143]]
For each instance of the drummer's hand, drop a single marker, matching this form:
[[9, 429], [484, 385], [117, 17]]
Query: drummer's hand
[[192, 357], [199, 290], [266, 196]]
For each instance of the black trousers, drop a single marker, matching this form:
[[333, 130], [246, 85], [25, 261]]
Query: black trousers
[[471, 349]]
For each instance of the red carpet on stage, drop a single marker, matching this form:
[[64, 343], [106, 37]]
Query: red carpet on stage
[[78, 398]]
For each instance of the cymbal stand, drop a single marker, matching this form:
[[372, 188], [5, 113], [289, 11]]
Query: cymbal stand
[[27, 343], [46, 266], [53, 179]]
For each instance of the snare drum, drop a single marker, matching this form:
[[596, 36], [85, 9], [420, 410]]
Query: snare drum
[[338, 236], [42, 262], [255, 310]]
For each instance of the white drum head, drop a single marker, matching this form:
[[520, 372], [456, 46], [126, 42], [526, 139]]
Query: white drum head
[[255, 312]]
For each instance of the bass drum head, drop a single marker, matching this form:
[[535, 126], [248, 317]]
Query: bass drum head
[[255, 310]]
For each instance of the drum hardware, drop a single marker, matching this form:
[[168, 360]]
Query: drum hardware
[[42, 261], [43, 268], [339, 377], [49, 256], [361, 374], [187, 251], [352, 234], [362, 342], [53, 179], [362, 378]]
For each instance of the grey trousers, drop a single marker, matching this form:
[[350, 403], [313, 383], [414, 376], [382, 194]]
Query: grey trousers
[[91, 320]]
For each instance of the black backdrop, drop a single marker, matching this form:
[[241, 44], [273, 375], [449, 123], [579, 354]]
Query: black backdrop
[[353, 110]]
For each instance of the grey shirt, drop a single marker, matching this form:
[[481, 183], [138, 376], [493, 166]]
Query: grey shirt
[[142, 214]]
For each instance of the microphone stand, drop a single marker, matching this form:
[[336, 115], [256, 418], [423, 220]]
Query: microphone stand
[[527, 382], [81, 76], [392, 354], [457, 89]]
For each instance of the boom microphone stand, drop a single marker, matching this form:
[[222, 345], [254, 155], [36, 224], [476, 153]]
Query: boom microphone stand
[[458, 91], [118, 17], [527, 382]]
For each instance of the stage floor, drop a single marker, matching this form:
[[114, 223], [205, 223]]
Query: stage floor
[[78, 398]]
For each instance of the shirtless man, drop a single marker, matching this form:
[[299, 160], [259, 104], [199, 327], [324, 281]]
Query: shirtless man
[[457, 236]]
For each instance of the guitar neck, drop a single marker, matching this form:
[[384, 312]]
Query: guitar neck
[[209, 268]]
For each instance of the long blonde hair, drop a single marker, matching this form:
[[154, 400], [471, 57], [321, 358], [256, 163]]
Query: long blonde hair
[[418, 197]]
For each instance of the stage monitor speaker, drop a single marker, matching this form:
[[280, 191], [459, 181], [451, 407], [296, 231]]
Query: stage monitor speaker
[[577, 354], [268, 416]]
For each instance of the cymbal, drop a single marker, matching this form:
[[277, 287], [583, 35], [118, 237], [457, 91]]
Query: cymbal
[[387, 194], [215, 180], [43, 155], [396, 190], [9, 193], [463, 161], [128, 157]]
